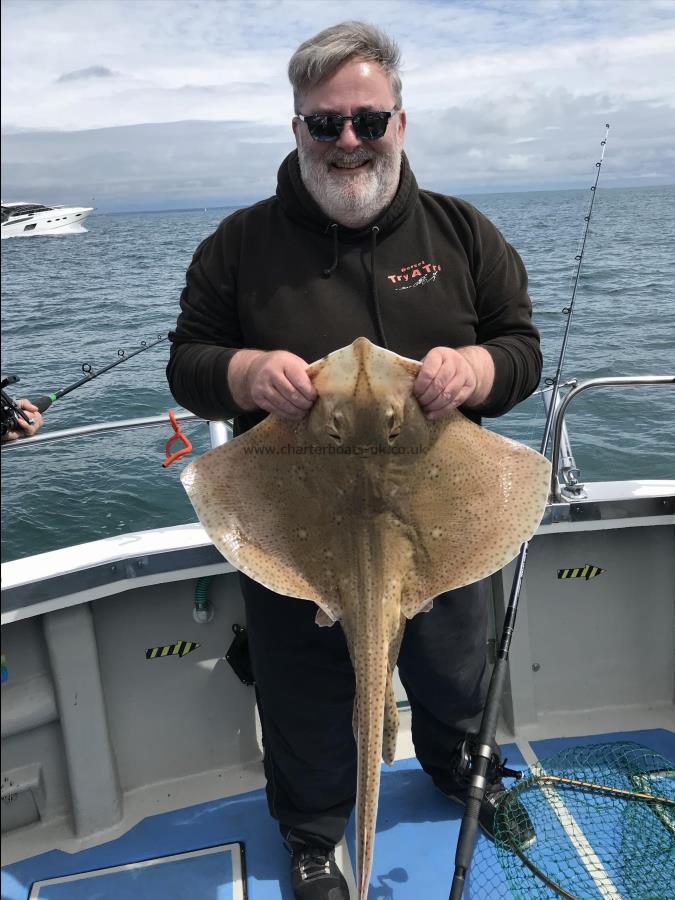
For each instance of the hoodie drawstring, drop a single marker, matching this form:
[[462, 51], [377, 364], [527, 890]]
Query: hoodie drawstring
[[373, 284], [374, 231], [336, 252]]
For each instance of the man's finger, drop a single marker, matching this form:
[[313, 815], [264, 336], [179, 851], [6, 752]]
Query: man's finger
[[432, 392], [445, 381], [450, 398], [299, 380], [275, 402], [445, 398], [431, 367], [291, 394]]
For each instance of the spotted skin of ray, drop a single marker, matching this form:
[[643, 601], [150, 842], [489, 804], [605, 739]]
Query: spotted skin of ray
[[382, 513]]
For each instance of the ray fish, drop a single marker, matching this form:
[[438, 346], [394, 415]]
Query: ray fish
[[370, 511]]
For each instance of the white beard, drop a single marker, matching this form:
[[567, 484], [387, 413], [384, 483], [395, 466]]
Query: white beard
[[352, 201]]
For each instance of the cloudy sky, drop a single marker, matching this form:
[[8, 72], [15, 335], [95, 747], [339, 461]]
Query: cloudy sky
[[150, 104]]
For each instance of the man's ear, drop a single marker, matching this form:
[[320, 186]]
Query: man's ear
[[295, 125], [401, 123]]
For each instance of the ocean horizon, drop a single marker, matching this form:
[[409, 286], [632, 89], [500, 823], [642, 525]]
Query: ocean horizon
[[231, 205]]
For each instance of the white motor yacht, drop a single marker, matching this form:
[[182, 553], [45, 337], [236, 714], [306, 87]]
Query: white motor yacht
[[20, 219]]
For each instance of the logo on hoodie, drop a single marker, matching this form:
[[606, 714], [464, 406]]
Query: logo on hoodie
[[414, 275]]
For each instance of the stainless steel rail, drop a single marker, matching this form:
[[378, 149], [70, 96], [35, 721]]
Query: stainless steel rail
[[100, 428], [567, 467], [619, 381]]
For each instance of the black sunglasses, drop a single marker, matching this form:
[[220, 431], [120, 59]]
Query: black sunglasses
[[369, 126]]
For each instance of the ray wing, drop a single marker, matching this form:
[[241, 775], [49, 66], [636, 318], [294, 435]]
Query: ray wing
[[264, 504], [476, 497]]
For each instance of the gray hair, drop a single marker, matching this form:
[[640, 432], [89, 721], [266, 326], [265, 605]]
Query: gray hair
[[322, 55]]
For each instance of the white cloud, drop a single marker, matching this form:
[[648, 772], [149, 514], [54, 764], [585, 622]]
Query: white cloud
[[628, 68], [454, 53], [498, 93]]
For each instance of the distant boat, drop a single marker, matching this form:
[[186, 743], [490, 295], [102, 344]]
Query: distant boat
[[22, 219]]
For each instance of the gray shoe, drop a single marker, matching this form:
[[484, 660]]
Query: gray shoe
[[516, 831]]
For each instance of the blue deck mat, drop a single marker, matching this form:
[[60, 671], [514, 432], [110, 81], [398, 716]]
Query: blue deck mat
[[414, 851]]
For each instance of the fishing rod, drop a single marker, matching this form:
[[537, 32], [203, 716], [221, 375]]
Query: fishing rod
[[11, 411], [479, 753]]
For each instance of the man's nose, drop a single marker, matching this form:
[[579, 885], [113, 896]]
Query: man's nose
[[348, 139]]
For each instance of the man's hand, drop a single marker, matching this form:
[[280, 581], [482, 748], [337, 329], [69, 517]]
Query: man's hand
[[276, 382], [449, 378], [24, 429]]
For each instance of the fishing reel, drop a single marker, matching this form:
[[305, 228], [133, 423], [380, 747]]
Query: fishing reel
[[462, 762], [10, 409]]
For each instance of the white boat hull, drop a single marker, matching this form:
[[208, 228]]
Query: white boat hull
[[53, 221]]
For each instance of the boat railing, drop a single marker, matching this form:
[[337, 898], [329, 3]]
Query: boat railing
[[565, 483], [567, 467], [117, 425]]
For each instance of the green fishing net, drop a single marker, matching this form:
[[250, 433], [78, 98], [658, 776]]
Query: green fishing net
[[604, 817]]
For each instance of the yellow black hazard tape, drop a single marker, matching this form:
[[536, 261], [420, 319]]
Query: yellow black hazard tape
[[588, 571], [180, 648]]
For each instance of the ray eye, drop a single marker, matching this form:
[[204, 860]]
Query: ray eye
[[333, 428]]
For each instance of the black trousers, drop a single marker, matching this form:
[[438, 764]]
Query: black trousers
[[305, 689]]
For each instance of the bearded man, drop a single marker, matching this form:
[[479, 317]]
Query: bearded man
[[349, 246]]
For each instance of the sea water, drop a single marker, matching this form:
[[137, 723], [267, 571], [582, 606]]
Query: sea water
[[74, 299]]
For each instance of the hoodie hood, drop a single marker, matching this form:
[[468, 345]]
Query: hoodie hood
[[299, 205]]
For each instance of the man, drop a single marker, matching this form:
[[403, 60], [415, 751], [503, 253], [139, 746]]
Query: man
[[350, 246]]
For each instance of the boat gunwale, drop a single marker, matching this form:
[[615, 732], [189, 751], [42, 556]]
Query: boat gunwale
[[78, 574]]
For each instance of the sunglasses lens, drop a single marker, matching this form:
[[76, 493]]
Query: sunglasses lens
[[324, 128], [371, 125]]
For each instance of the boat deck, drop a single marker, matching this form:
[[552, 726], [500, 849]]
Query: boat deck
[[229, 848]]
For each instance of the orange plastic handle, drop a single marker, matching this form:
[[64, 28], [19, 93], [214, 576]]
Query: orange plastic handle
[[177, 436]]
